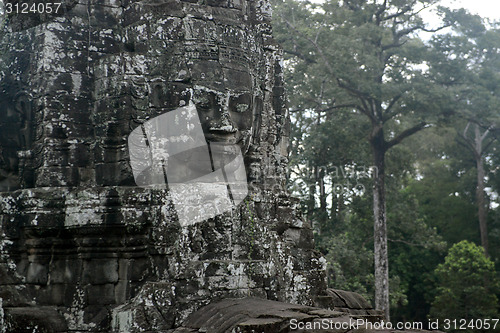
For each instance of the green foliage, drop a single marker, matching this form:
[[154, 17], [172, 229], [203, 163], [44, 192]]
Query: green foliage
[[350, 265], [415, 249], [445, 199], [355, 67], [349, 255], [467, 283]]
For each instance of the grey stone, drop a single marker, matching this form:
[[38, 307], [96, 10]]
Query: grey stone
[[259, 315], [34, 319], [37, 273], [100, 271], [77, 232], [352, 300], [101, 294]]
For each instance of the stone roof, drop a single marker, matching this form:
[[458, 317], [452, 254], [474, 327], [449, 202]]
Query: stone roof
[[253, 315]]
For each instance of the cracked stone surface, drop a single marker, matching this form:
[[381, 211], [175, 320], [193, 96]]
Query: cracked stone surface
[[82, 248]]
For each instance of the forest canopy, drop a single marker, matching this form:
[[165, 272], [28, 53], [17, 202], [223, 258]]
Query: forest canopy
[[395, 150]]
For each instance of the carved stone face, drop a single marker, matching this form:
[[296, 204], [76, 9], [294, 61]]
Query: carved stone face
[[209, 60], [225, 116], [142, 61], [226, 104]]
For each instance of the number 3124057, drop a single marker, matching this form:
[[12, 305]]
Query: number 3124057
[[32, 8]]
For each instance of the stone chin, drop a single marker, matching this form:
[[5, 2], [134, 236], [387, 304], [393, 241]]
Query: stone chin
[[240, 138]]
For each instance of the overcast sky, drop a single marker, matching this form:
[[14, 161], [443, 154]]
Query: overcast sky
[[485, 8]]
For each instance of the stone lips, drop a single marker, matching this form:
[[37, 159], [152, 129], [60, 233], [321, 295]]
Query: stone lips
[[204, 179]]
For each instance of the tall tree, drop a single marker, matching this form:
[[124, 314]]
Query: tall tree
[[478, 144], [368, 55], [471, 56]]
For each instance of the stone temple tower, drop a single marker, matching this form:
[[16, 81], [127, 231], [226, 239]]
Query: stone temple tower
[[82, 246]]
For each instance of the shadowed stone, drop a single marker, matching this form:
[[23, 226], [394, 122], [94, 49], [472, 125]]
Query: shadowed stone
[[76, 232], [34, 319]]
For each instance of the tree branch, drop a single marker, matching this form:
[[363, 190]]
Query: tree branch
[[466, 144], [301, 56], [406, 133], [398, 14], [393, 45], [342, 106], [353, 91], [464, 135], [379, 12], [489, 144], [465, 140], [316, 46], [387, 114], [485, 134], [404, 242], [363, 97]]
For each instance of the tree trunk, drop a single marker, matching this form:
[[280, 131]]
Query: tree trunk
[[311, 202], [340, 207], [380, 225], [333, 209], [480, 197], [322, 195]]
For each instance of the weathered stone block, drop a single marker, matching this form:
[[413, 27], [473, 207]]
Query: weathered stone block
[[13, 296], [100, 294], [55, 294], [122, 291], [65, 271], [140, 268], [100, 271], [35, 319], [37, 273]]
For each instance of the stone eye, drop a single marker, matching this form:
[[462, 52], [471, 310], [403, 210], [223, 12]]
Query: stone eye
[[240, 103], [204, 101], [204, 104], [242, 107]]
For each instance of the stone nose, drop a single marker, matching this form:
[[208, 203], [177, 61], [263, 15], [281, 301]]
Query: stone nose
[[223, 125], [223, 122]]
